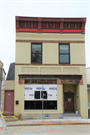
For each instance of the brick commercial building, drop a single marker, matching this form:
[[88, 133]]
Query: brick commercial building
[[49, 64]]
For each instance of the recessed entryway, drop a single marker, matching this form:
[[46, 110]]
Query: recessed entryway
[[69, 102]]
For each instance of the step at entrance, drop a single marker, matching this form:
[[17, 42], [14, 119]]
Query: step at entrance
[[11, 118], [71, 116]]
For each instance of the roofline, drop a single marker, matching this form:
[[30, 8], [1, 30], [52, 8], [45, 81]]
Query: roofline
[[50, 25], [4, 71], [1, 61], [78, 19]]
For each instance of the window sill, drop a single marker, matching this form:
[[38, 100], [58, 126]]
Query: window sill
[[36, 63]]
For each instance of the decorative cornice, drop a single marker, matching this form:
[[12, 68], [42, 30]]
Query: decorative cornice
[[50, 25]]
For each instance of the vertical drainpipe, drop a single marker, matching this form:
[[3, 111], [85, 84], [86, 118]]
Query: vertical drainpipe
[[0, 86], [42, 102], [89, 100]]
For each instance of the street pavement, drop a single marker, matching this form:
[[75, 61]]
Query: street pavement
[[48, 126], [49, 130]]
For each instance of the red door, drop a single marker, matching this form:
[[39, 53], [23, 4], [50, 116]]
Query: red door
[[69, 102], [9, 102]]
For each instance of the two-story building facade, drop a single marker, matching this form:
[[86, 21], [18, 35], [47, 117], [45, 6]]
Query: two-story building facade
[[50, 63]]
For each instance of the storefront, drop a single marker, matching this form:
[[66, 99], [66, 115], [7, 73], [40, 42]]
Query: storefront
[[47, 93]]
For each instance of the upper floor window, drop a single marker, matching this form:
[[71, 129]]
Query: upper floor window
[[36, 53], [64, 54]]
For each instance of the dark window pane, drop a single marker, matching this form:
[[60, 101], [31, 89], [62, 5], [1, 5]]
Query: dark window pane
[[64, 58], [45, 105], [37, 95], [36, 48], [36, 58], [50, 105], [44, 93], [64, 49], [29, 105], [69, 96], [38, 104]]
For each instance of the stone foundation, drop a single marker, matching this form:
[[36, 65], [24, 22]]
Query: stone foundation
[[39, 116]]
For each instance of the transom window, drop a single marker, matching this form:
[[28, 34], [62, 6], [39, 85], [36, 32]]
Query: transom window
[[36, 53], [64, 54]]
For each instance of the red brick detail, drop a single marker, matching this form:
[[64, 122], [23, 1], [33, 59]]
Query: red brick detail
[[19, 81], [50, 30], [59, 82], [81, 81], [22, 81]]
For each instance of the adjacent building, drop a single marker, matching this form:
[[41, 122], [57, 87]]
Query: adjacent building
[[50, 68], [8, 87], [2, 77]]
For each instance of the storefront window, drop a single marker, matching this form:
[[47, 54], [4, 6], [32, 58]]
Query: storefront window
[[35, 105], [50, 105]]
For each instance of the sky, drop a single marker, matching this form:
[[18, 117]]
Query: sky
[[44, 8]]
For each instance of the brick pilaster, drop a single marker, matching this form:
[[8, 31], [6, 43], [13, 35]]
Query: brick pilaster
[[59, 82], [81, 81]]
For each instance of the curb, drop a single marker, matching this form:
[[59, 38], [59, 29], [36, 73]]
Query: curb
[[49, 124]]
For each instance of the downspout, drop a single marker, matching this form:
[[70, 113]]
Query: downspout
[[0, 86]]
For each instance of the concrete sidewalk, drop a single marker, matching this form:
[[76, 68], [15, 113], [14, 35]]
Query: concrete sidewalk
[[39, 122]]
